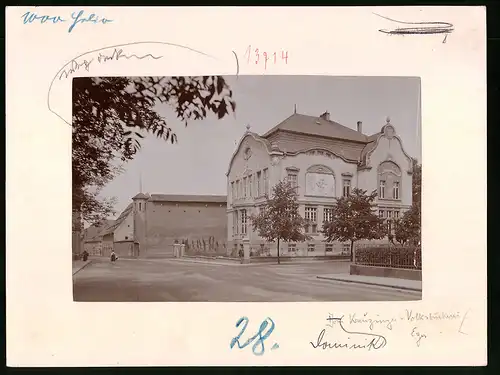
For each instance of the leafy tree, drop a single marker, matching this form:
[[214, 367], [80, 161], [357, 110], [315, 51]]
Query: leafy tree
[[417, 184], [407, 230], [279, 218], [354, 219], [111, 116]]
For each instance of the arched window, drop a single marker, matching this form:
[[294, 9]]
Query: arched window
[[320, 181], [389, 180]]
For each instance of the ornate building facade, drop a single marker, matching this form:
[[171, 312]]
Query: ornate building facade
[[323, 160]]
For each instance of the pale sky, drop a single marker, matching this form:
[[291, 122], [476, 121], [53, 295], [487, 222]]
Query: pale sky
[[197, 164]]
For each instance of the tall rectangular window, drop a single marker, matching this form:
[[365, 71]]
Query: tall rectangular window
[[381, 213], [311, 216], [346, 191], [259, 190], [293, 180], [266, 181], [327, 214], [243, 214], [250, 185], [395, 190], [235, 222], [245, 187], [382, 189], [233, 195]]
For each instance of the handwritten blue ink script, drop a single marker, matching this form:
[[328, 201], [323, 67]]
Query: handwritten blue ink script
[[258, 339], [75, 19]]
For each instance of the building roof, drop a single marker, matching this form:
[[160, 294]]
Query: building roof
[[141, 196], [318, 126], [93, 233], [111, 228], [188, 198]]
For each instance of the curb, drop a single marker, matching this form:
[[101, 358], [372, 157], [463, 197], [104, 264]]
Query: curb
[[368, 283], [187, 260], [82, 267]]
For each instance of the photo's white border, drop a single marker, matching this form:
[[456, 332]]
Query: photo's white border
[[45, 327]]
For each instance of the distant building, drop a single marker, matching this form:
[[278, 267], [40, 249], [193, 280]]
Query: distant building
[[150, 225], [324, 160], [92, 237]]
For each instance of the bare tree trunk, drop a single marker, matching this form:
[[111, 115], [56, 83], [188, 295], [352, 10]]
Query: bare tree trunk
[[278, 250], [352, 251]]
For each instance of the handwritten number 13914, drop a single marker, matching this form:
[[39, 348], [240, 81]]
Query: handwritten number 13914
[[254, 55], [265, 330]]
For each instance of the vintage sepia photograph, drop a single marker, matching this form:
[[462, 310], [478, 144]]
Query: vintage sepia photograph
[[251, 188]]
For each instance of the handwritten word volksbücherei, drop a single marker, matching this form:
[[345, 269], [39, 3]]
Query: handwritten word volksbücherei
[[419, 325], [76, 18]]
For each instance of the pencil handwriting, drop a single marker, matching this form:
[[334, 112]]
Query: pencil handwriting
[[424, 28]]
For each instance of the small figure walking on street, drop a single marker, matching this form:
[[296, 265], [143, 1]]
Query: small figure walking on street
[[114, 258]]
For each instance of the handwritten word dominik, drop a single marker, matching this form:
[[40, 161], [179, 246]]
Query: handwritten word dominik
[[265, 58], [258, 339], [76, 18]]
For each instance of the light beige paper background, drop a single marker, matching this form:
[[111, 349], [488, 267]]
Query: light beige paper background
[[44, 325]]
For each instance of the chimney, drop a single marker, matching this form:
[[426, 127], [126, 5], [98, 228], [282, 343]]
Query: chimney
[[325, 116], [360, 127]]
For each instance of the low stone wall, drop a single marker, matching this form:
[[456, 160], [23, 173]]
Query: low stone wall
[[302, 259], [397, 273], [270, 259]]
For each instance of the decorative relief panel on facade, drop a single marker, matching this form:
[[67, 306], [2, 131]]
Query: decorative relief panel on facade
[[389, 131], [326, 153], [320, 184], [389, 167], [320, 181], [247, 154], [276, 159]]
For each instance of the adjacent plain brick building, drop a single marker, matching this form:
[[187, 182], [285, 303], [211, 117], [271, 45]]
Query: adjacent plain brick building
[[150, 225]]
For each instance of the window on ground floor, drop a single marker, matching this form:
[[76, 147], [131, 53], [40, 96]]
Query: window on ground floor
[[346, 248], [327, 214], [243, 214], [329, 247], [311, 217], [311, 247], [292, 247]]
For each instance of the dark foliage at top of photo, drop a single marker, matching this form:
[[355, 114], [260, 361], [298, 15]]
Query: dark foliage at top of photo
[[112, 114]]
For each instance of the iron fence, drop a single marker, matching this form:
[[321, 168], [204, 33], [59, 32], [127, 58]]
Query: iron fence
[[389, 256]]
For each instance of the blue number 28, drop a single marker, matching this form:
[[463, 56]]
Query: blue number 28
[[262, 334]]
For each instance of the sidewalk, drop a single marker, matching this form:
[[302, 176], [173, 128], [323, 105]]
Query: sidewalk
[[414, 285], [78, 265]]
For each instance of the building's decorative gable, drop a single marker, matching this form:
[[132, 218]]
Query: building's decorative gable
[[246, 149], [388, 132]]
